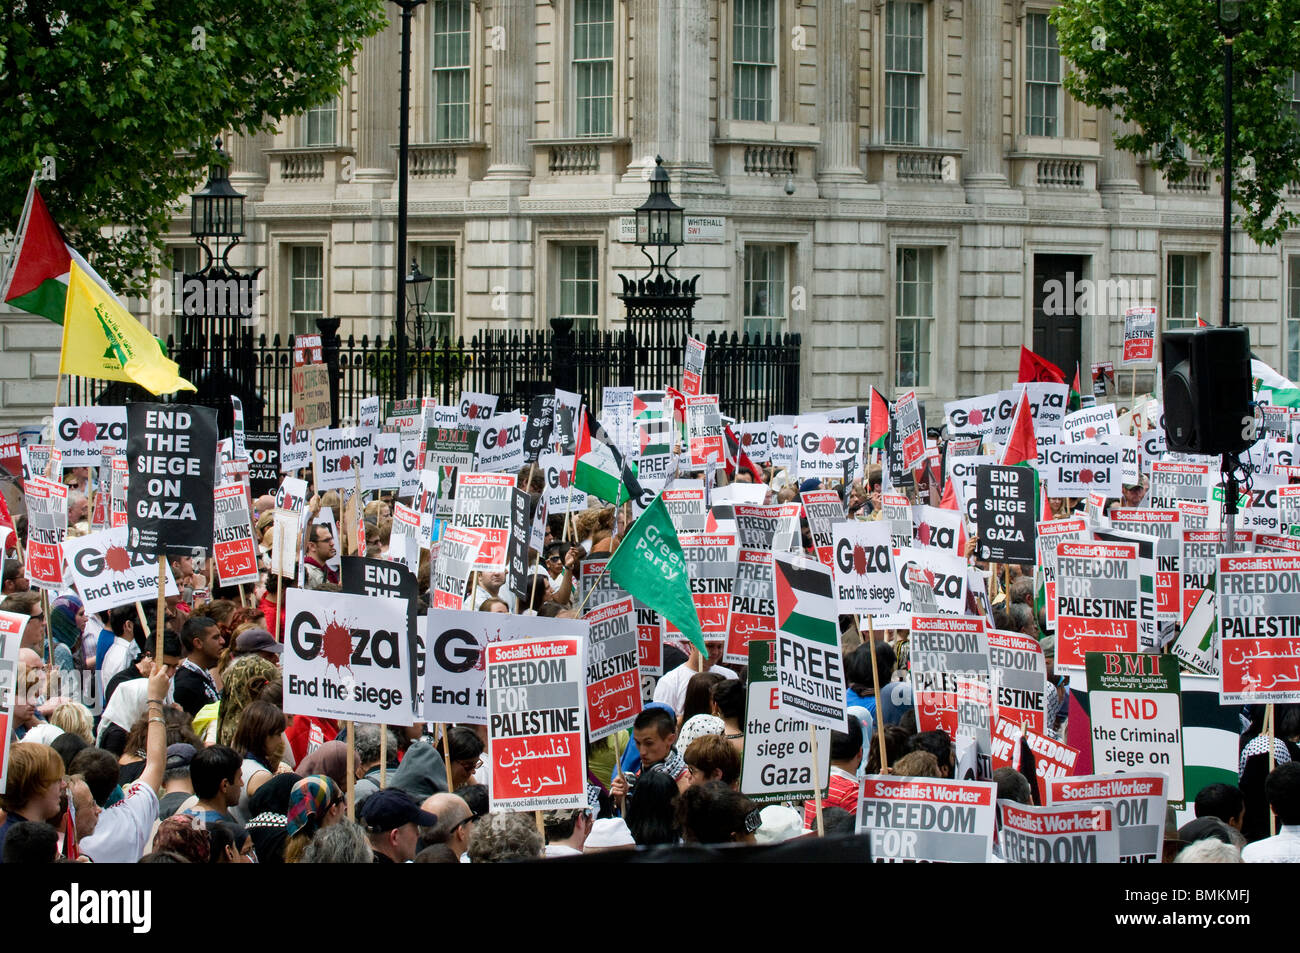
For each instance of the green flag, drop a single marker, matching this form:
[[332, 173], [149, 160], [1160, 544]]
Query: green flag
[[649, 565]]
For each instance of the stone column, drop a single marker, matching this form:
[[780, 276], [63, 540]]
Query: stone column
[[1118, 173], [985, 164], [377, 81], [510, 156], [837, 41]]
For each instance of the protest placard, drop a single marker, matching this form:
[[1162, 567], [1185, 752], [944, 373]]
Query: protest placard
[[1137, 802], [865, 580], [1006, 517], [1090, 424], [1077, 469], [476, 409], [1096, 600], [684, 502], [537, 432], [234, 549], [36, 461], [943, 578], [455, 679], [346, 657], [11, 457], [483, 504], [937, 528], [263, 461], [777, 763], [909, 433], [1164, 526], [1198, 552], [986, 416], [1018, 675], [80, 432], [1139, 336], [11, 626], [704, 430], [1259, 621], [517, 575], [711, 572], [564, 433], [927, 819], [753, 605], [449, 447], [974, 718], [501, 444], [383, 464], [385, 579], [47, 524], [1050, 533], [822, 509], [457, 550], [107, 574], [809, 665], [755, 440], [339, 456], [295, 445], [1172, 481], [535, 725], [596, 587], [768, 527], [560, 495], [824, 448], [404, 539], [613, 679], [1061, 835], [649, 640], [172, 452], [1103, 379], [943, 649], [309, 386], [693, 366], [1051, 758], [1047, 403], [782, 446], [1136, 715], [617, 418]]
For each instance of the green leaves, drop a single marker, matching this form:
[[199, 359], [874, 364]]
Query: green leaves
[[1162, 68], [114, 89]]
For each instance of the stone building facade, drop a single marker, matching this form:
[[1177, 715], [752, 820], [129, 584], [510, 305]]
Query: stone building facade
[[904, 182]]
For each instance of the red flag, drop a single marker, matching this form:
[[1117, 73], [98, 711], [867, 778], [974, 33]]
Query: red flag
[[1021, 445], [737, 458], [949, 499], [1035, 369]]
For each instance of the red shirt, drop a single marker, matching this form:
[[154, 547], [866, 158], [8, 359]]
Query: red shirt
[[842, 792], [267, 607]]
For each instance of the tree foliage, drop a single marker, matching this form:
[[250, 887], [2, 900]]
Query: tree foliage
[[122, 99], [1159, 64]]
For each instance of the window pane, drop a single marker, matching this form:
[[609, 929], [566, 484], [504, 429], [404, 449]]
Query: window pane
[[1042, 77], [580, 285], [764, 289], [593, 67], [1182, 291], [753, 59], [318, 126], [914, 316], [306, 287], [451, 21], [439, 262], [1293, 319]]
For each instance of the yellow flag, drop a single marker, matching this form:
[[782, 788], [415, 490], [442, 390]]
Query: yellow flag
[[101, 339]]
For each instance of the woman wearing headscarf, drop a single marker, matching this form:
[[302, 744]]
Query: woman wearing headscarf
[[67, 619], [330, 759], [314, 803], [243, 682], [269, 808]]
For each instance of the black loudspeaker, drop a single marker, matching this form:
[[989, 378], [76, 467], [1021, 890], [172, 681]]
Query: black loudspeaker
[[1207, 390]]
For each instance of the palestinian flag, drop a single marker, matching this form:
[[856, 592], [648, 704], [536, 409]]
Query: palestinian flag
[[879, 421], [599, 469], [805, 599], [654, 436], [1200, 321], [1035, 369], [1075, 401], [675, 409], [37, 281], [736, 456]]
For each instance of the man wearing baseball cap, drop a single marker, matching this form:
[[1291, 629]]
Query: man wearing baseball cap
[[393, 819], [258, 641]]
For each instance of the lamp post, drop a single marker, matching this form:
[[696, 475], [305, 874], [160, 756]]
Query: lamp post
[[403, 156], [1229, 26], [658, 305], [418, 286]]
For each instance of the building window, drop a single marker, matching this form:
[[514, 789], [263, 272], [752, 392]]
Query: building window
[[439, 263], [186, 260], [1042, 77], [904, 71], [753, 59], [764, 293], [1293, 318], [306, 288], [451, 70], [593, 66], [1182, 286], [914, 316], [1293, 95], [318, 126], [579, 286]]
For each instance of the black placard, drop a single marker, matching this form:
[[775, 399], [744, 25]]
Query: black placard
[[171, 450], [517, 548], [541, 421], [367, 576], [1005, 514], [263, 462]]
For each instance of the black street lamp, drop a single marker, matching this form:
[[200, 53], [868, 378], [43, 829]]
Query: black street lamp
[[403, 153], [659, 307], [419, 285], [217, 212]]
